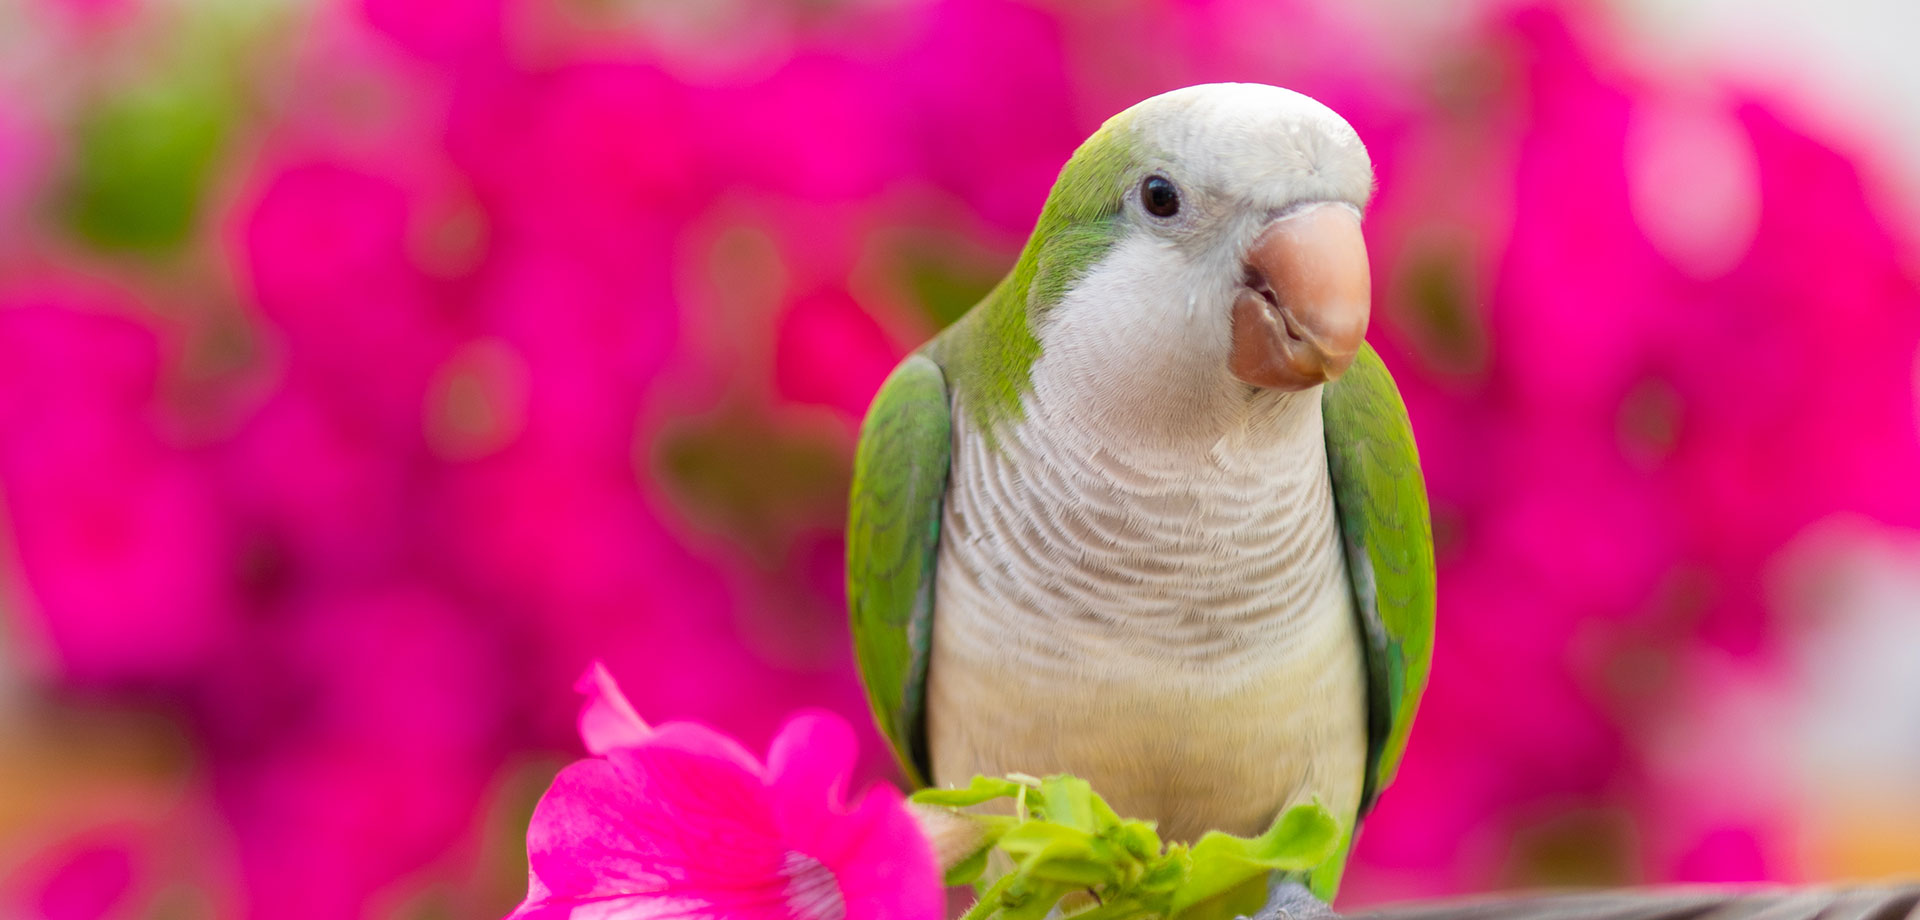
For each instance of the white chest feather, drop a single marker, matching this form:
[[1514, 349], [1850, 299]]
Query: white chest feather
[[1166, 617], [1075, 552]]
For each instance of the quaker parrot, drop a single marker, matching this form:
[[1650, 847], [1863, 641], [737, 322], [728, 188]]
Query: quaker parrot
[[1150, 513]]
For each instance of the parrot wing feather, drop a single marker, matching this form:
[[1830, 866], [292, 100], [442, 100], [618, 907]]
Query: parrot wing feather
[[893, 534], [1381, 500]]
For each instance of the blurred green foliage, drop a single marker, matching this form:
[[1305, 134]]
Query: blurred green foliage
[[141, 167]]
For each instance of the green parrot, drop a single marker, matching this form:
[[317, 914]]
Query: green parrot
[[1150, 513]]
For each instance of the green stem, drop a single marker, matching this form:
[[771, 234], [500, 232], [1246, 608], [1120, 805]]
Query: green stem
[[1119, 909], [989, 900]]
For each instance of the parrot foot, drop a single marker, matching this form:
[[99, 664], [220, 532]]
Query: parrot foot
[[1290, 900]]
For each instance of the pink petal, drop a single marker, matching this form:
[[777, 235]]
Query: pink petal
[[885, 865], [700, 741], [607, 721], [655, 831], [808, 766], [94, 879]]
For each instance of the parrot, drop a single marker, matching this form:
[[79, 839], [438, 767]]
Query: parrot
[[1150, 512]]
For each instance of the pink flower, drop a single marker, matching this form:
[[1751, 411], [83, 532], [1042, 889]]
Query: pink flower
[[108, 519], [326, 249], [1027, 96], [830, 352], [92, 879], [680, 821], [776, 136], [446, 33], [352, 709], [595, 159]]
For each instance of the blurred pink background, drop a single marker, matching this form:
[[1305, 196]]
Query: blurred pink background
[[367, 368]]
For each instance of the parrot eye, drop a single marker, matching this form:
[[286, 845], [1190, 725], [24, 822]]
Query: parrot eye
[[1159, 197]]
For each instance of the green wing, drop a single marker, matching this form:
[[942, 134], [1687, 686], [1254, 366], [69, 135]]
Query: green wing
[[893, 532], [1382, 502]]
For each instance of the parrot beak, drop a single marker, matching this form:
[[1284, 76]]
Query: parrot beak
[[1303, 313]]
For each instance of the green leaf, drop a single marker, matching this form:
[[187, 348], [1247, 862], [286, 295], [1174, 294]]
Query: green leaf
[[1070, 801], [965, 871], [1034, 900], [1066, 840], [1137, 838], [1301, 838], [1033, 838], [1073, 872], [980, 789], [141, 165], [991, 899], [1167, 874]]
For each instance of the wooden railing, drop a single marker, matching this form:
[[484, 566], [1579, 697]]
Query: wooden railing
[[1864, 902]]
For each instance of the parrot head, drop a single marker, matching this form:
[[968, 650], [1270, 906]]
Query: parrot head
[[1209, 235]]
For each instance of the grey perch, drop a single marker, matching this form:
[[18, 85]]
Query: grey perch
[[1869, 902]]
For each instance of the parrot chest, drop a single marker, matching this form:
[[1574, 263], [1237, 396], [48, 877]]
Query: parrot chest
[[1172, 623]]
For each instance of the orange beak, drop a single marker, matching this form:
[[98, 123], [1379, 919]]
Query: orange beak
[[1304, 312]]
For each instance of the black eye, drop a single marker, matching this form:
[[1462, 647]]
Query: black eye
[[1159, 196]]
